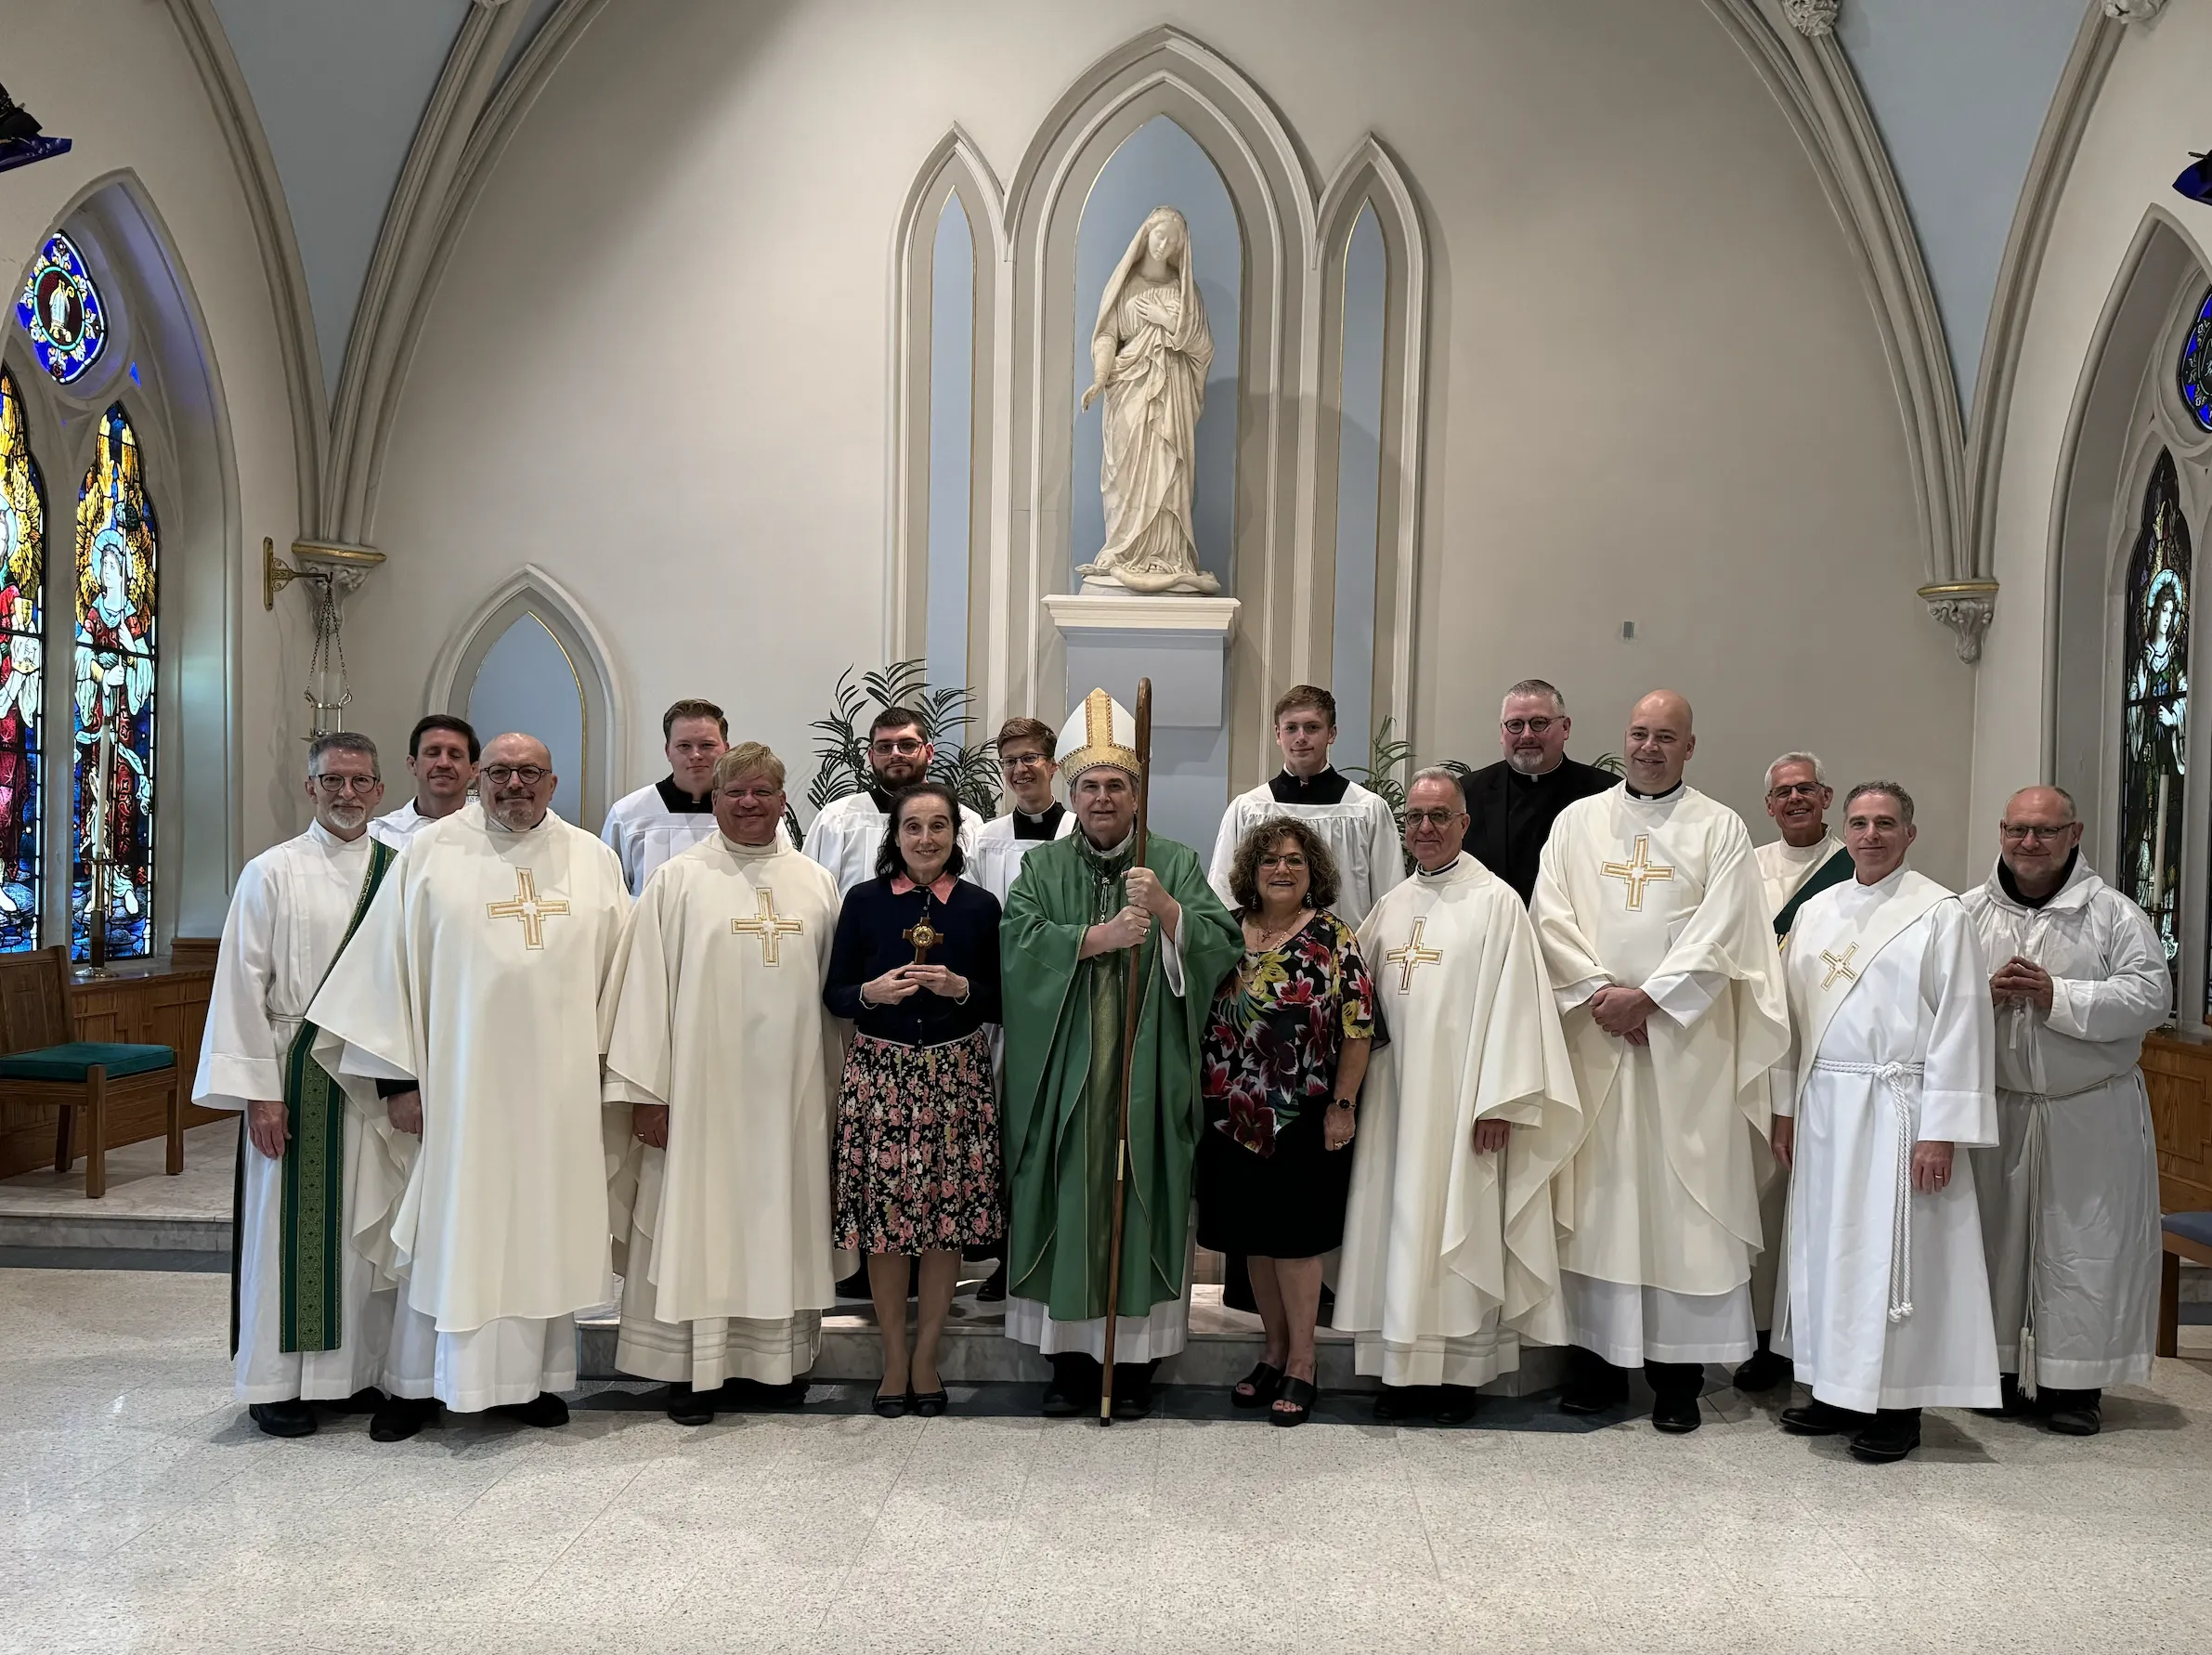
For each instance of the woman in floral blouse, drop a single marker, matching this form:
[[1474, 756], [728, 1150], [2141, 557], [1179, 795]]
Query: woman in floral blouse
[[1285, 1052]]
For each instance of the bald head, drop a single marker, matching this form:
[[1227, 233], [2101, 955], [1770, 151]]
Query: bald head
[[2041, 804], [1659, 742], [518, 780], [2036, 839]]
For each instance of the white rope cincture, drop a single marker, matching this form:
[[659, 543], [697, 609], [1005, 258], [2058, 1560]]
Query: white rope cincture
[[1892, 1076], [2032, 1155]]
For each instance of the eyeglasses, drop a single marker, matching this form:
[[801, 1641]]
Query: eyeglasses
[[1293, 860], [1535, 726], [335, 785], [498, 775], [1009, 762], [1431, 819], [904, 750], [2021, 832], [1796, 791]]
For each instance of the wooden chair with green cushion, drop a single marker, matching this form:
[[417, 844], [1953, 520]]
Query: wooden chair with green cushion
[[108, 1083]]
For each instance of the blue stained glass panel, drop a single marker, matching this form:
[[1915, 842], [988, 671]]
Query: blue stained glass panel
[[118, 549], [2195, 367], [61, 309], [22, 647]]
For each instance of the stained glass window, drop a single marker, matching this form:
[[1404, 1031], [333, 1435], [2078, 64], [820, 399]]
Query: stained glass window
[[118, 545], [22, 572], [2195, 368], [2155, 703], [60, 309]]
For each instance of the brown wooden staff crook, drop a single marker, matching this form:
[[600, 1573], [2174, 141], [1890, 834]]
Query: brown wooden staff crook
[[1133, 1004]]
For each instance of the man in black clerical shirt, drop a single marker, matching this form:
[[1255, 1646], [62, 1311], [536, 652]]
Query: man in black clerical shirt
[[1513, 802]]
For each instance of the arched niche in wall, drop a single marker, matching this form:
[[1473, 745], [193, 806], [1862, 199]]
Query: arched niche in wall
[[530, 660], [2135, 493], [154, 366]]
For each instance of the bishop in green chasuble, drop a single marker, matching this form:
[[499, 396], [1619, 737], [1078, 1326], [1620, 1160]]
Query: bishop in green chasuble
[[1065, 1017]]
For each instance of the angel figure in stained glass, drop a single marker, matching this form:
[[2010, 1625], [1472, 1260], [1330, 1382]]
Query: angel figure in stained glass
[[115, 681]]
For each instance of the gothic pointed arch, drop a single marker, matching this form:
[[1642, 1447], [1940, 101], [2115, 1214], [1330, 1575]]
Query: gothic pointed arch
[[529, 650]]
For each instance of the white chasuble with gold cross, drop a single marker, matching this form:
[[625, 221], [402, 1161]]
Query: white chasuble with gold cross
[[1886, 1291], [1662, 894], [477, 972], [715, 1009], [1450, 1256]]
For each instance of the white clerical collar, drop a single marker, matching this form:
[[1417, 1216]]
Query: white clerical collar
[[1653, 797], [1451, 867], [747, 852], [1036, 815]]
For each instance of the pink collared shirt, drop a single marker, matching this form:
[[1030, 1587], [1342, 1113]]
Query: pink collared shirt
[[942, 890]]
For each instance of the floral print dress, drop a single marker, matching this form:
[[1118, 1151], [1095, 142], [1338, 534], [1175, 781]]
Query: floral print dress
[[1278, 1026]]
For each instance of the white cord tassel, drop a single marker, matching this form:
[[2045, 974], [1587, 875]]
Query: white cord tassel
[[2032, 1154], [1895, 1076]]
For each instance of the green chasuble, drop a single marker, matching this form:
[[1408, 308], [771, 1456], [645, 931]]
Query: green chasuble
[[1063, 1020]]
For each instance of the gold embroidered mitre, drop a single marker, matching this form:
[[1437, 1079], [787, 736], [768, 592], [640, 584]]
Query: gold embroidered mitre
[[1100, 732]]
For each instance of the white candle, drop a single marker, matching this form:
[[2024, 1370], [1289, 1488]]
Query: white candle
[[106, 751], [2158, 852]]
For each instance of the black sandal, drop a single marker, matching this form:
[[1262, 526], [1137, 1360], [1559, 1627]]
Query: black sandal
[[929, 1404], [1264, 1381], [1299, 1394]]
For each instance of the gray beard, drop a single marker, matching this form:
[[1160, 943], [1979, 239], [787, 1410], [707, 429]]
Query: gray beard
[[1529, 763]]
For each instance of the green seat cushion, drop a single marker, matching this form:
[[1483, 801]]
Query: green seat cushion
[[70, 1062]]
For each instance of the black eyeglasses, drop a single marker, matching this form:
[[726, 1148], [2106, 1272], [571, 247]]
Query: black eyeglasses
[[498, 775]]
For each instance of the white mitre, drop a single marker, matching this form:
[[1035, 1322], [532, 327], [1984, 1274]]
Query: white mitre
[[1100, 732]]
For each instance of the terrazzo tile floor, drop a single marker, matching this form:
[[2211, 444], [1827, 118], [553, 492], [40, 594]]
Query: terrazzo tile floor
[[142, 1512]]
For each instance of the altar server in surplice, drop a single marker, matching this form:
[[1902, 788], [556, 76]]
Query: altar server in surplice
[[1468, 1115], [2069, 1194], [666, 818], [310, 1319], [847, 835], [720, 1058], [468, 998], [1663, 963], [442, 751], [1886, 1302], [1354, 823], [1034, 818]]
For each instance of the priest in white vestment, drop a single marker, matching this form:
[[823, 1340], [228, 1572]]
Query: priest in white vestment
[[1466, 1117], [2069, 1194], [720, 1058], [309, 1318], [1663, 963], [1806, 861], [1025, 749], [1355, 823], [847, 835], [442, 751], [470, 999], [1885, 1303]]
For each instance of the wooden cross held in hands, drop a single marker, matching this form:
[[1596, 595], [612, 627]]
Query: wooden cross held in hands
[[924, 936]]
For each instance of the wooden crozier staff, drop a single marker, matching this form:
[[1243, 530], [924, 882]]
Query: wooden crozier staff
[[1133, 1006]]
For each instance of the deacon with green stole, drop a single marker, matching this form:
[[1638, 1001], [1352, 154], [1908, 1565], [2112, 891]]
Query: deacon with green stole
[[1077, 908], [310, 1319]]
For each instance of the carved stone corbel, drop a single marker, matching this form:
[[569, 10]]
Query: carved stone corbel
[[1966, 607], [2133, 11], [1818, 16]]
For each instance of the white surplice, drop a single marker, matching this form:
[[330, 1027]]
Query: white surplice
[[997, 858], [395, 827], [1360, 832], [287, 916], [1662, 894], [848, 836], [479, 973], [716, 1011], [2069, 1194], [1451, 1258], [1886, 1302]]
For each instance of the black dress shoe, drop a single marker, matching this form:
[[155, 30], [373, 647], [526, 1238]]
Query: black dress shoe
[[1593, 1384], [293, 1418], [401, 1417], [1817, 1418], [690, 1407], [993, 1291], [1074, 1388], [2072, 1413], [1396, 1403], [1456, 1404], [1133, 1389], [1677, 1412], [1763, 1370], [1894, 1433], [855, 1286], [544, 1411]]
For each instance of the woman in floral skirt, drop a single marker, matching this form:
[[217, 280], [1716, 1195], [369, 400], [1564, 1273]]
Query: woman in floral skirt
[[1284, 1053], [915, 968]]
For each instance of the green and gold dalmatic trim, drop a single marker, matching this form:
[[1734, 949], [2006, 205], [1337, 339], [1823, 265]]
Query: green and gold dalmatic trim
[[314, 1203], [1834, 871]]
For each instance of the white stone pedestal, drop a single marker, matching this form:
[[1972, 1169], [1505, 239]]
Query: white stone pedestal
[[1112, 638]]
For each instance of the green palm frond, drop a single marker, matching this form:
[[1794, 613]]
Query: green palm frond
[[1384, 775], [971, 769], [1611, 763]]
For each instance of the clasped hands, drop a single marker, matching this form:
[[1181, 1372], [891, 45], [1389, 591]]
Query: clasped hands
[[1623, 1012], [1148, 901], [2020, 978], [901, 983]]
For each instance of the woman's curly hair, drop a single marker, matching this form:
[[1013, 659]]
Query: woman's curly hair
[[1321, 867]]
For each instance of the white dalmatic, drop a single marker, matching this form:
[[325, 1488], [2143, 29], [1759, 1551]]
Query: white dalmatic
[[288, 915], [1662, 894], [477, 973], [1886, 1302], [1360, 832], [1450, 1256], [715, 1010], [2069, 1194], [848, 836], [996, 860]]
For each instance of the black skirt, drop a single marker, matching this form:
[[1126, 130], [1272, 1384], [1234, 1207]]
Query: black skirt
[[1289, 1205]]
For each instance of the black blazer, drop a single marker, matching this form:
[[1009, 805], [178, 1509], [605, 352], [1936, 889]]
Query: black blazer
[[1489, 803]]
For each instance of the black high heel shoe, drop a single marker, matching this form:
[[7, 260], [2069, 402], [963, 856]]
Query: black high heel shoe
[[1264, 1380], [1299, 1394]]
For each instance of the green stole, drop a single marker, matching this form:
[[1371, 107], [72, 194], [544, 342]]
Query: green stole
[[314, 1189], [1834, 871]]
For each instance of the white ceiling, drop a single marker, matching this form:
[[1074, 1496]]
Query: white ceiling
[[1958, 88]]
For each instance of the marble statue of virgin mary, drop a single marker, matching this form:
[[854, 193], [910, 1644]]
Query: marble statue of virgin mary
[[1149, 357]]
